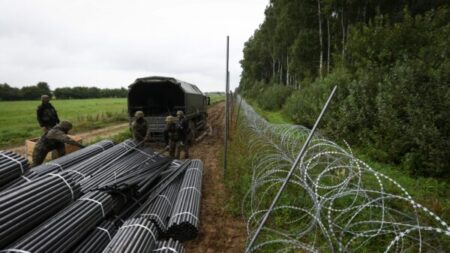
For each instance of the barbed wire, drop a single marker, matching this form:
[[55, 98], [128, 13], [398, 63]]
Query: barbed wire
[[334, 202]]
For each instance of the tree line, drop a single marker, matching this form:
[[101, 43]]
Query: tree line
[[8, 93], [390, 60]]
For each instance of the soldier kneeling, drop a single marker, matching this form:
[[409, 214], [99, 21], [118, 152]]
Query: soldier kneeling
[[54, 139]]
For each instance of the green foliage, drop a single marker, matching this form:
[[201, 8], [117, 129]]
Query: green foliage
[[216, 97], [273, 97], [389, 60], [18, 118], [8, 93], [88, 92]]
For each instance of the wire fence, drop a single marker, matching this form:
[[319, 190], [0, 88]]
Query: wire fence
[[334, 202]]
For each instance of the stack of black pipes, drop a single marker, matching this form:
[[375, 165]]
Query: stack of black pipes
[[139, 177], [12, 166], [109, 157], [25, 206], [184, 220], [97, 240], [166, 202], [169, 246], [63, 231], [176, 169], [62, 163], [135, 235], [160, 209], [139, 204], [129, 170]]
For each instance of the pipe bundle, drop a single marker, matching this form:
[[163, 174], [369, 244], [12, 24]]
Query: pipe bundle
[[100, 161], [160, 209], [24, 207], [169, 246], [97, 240], [134, 236], [176, 169], [62, 163], [137, 172], [12, 166], [64, 230], [184, 220], [158, 198]]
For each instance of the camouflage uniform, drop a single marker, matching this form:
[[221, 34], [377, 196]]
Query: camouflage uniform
[[54, 139], [173, 135], [46, 114], [188, 135], [139, 127]]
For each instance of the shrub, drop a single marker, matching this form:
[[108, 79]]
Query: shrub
[[273, 97]]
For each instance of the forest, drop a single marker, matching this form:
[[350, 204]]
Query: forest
[[389, 59], [8, 93]]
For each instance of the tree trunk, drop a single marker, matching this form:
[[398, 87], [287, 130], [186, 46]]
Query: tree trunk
[[320, 39], [329, 45], [343, 33], [287, 71]]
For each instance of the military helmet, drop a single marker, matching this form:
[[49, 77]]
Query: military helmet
[[65, 125], [45, 97], [180, 113], [139, 114], [171, 119]]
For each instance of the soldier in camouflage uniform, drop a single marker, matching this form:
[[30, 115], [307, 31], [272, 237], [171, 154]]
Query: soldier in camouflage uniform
[[46, 114], [139, 127], [173, 135], [188, 135], [54, 139]]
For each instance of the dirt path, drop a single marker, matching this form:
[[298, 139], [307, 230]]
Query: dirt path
[[87, 137], [219, 231]]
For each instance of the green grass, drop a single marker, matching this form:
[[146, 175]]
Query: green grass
[[275, 117], [18, 118], [216, 98]]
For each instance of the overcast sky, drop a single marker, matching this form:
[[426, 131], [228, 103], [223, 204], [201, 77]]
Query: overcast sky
[[110, 43]]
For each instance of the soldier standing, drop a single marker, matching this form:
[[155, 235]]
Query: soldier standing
[[173, 136], [139, 127], [54, 139], [46, 114], [188, 135]]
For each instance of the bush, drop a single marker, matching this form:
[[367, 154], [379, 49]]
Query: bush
[[273, 97]]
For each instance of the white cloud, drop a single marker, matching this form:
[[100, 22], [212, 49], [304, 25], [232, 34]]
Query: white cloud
[[111, 43]]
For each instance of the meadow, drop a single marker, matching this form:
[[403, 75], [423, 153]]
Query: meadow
[[18, 118]]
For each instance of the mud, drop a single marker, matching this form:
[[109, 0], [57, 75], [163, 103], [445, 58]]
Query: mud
[[219, 231]]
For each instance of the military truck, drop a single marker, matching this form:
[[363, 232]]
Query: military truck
[[159, 97]]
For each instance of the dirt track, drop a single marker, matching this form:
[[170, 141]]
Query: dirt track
[[219, 231]]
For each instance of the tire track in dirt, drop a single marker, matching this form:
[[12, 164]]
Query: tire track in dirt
[[219, 231]]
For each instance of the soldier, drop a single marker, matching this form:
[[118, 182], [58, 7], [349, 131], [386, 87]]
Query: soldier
[[46, 114], [139, 127], [173, 135], [188, 135], [54, 139]]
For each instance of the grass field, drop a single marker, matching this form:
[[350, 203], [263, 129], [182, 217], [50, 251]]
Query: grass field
[[18, 118], [216, 97]]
